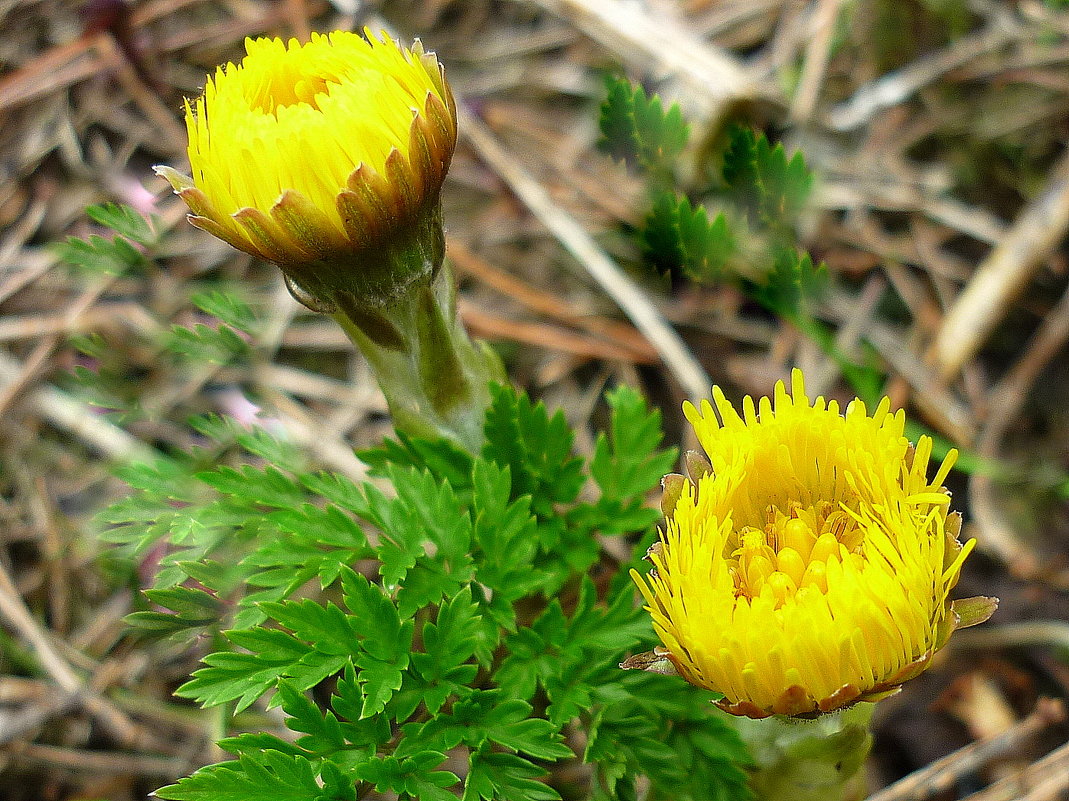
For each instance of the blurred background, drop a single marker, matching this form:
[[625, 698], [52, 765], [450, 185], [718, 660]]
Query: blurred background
[[937, 131]]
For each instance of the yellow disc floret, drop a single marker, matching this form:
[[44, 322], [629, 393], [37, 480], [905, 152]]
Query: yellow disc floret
[[811, 567]]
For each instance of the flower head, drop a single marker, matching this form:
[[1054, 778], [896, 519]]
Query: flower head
[[807, 563], [326, 158]]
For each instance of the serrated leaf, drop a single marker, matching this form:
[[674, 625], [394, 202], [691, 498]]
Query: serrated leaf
[[201, 343], [448, 644], [386, 641], [770, 187], [227, 307], [628, 462], [124, 221], [635, 127], [340, 490], [536, 447], [431, 507], [424, 547], [321, 527], [270, 776], [677, 237], [442, 458], [791, 281], [504, 533], [324, 626], [244, 677], [322, 734], [99, 256], [491, 716], [505, 777], [411, 777], [267, 486], [380, 625], [190, 609], [253, 743]]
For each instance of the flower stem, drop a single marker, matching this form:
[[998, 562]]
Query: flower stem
[[809, 760], [435, 379]]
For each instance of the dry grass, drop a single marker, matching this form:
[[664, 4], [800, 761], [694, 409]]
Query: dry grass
[[938, 131]]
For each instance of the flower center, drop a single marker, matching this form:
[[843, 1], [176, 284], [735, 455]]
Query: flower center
[[792, 551], [288, 87]]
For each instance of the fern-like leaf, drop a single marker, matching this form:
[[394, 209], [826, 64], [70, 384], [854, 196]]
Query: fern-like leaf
[[680, 237], [636, 129], [771, 188]]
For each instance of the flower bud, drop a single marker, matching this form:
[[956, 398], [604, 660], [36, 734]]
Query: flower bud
[[326, 158]]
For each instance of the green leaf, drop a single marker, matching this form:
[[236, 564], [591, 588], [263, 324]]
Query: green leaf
[[677, 237], [628, 463], [772, 189], [426, 538], [430, 506], [448, 644], [504, 533], [124, 221], [324, 626], [347, 703], [490, 716], [227, 307], [505, 777], [321, 527], [269, 776], [790, 282], [202, 343], [386, 644], [570, 657], [267, 486], [190, 609], [252, 743], [636, 128], [536, 448], [440, 457], [322, 734], [244, 677], [99, 256], [663, 728], [340, 490], [411, 777]]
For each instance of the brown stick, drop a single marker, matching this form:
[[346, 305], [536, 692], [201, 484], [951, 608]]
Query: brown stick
[[942, 773]]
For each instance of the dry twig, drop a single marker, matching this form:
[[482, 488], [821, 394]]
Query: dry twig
[[1005, 272], [634, 302], [943, 773]]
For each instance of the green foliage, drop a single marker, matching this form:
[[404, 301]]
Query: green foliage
[[792, 279], [204, 344], [97, 256], [268, 776], [453, 613], [124, 221], [228, 308], [762, 194], [768, 186], [123, 253], [459, 606], [636, 128], [680, 237], [107, 378]]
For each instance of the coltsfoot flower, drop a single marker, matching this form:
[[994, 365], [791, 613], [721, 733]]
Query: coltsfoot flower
[[806, 564], [326, 158]]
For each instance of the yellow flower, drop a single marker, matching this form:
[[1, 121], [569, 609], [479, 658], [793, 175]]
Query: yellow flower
[[807, 564], [326, 158]]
